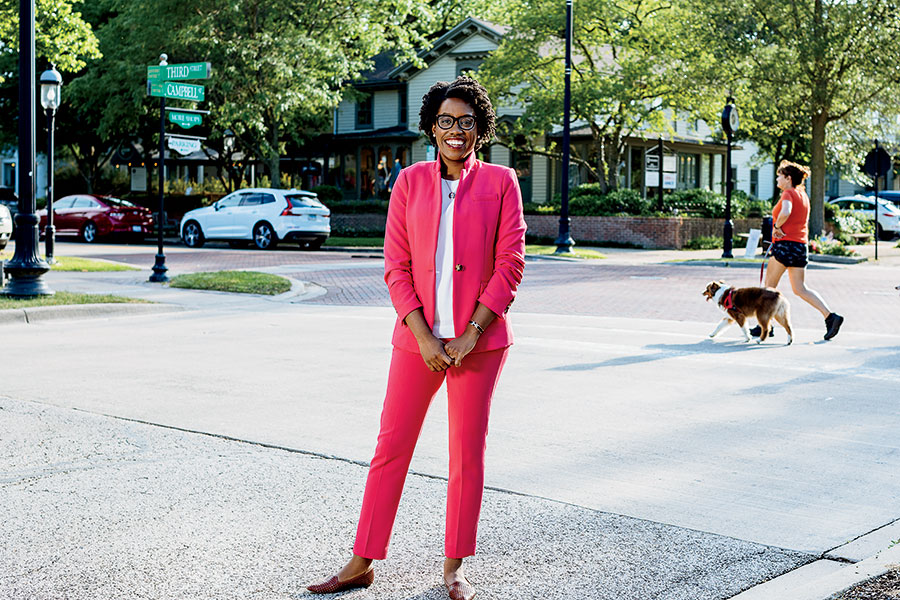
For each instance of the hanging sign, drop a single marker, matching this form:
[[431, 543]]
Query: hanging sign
[[178, 91], [176, 72], [184, 146], [185, 120]]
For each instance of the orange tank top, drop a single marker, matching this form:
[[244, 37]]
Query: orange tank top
[[796, 228]]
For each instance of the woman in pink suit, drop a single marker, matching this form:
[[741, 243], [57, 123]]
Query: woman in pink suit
[[454, 250]]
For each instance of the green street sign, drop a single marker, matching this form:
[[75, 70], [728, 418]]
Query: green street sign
[[185, 120], [178, 72], [179, 91]]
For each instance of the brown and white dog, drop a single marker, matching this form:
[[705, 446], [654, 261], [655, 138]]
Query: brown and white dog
[[739, 304]]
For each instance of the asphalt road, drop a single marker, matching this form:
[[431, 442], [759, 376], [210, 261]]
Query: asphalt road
[[613, 402]]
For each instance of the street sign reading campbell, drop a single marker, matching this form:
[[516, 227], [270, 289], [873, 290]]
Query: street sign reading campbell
[[179, 91], [178, 72], [185, 120]]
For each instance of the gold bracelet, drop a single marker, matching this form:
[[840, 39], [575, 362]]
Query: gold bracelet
[[477, 327]]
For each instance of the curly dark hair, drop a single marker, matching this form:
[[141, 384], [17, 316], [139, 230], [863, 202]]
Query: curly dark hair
[[467, 89], [795, 172]]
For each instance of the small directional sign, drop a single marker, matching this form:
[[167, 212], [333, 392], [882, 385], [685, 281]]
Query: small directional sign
[[185, 120], [183, 146], [178, 72], [179, 91]]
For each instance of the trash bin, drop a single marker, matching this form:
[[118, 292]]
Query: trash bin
[[767, 229]]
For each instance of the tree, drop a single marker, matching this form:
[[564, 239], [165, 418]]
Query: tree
[[62, 37], [627, 76], [828, 62]]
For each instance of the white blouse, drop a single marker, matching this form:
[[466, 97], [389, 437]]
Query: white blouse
[[443, 264]]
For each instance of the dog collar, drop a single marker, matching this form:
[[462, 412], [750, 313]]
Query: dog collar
[[728, 301]]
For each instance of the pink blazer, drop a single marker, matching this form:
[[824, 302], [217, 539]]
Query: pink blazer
[[488, 247]]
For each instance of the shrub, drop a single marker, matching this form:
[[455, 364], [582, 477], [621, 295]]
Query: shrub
[[826, 245], [328, 193], [695, 203], [359, 207]]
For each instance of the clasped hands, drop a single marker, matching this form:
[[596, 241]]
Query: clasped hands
[[438, 356]]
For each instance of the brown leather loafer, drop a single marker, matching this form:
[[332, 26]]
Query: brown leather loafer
[[334, 585], [461, 590]]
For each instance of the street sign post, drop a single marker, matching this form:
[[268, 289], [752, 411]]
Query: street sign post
[[164, 81], [878, 163], [179, 72], [177, 91]]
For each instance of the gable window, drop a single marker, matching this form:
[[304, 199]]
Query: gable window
[[364, 113], [403, 117], [466, 66]]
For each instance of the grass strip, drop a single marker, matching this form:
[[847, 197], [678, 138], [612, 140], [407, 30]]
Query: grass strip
[[577, 251], [717, 259], [82, 265], [62, 298], [239, 282], [369, 242]]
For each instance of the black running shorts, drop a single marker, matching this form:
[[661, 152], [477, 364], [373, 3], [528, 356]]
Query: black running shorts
[[790, 254]]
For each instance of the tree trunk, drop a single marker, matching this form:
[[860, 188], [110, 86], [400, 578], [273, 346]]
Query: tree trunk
[[817, 178], [273, 158]]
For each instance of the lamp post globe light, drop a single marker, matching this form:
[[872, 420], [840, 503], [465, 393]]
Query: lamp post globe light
[[26, 269], [51, 85]]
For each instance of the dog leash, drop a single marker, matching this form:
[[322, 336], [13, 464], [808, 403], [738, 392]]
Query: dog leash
[[762, 267]]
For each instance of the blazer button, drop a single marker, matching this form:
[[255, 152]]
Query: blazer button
[[460, 268]]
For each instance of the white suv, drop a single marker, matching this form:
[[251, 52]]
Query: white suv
[[6, 226], [864, 206], [264, 216]]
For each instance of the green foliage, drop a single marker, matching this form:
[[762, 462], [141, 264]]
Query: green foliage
[[627, 74], [328, 194], [357, 207], [587, 200], [707, 242], [832, 247], [64, 298], [845, 223], [814, 80]]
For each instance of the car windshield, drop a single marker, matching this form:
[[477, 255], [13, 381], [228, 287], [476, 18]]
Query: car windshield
[[299, 201], [116, 202]]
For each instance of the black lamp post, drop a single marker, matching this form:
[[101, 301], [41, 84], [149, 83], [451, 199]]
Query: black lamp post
[[26, 269], [159, 266], [730, 124], [565, 242], [228, 146], [51, 84]]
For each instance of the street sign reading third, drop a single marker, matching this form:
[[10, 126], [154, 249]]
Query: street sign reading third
[[179, 72], [180, 91], [186, 120]]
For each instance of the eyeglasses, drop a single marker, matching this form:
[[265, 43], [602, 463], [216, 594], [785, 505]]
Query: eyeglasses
[[466, 122]]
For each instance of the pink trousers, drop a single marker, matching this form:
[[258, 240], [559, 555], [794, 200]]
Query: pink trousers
[[411, 387]]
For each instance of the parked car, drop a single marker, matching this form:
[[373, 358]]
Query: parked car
[[91, 217], [9, 199], [6, 226], [264, 216], [864, 206]]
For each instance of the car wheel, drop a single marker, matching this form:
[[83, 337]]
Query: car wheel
[[192, 235], [89, 232], [884, 236], [264, 236]]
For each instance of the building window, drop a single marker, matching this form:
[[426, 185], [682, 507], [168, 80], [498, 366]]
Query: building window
[[464, 67], [404, 118], [754, 183], [688, 170], [364, 113], [521, 162], [9, 175]]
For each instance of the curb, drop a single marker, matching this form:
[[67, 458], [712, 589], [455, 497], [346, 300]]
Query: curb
[[732, 265], [841, 260], [834, 573], [38, 314]]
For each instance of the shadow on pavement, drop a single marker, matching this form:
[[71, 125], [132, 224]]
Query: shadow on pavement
[[664, 351]]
